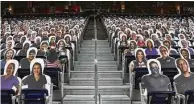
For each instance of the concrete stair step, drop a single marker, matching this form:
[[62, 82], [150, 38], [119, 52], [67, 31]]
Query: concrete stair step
[[92, 46], [92, 52], [56, 102], [103, 68], [79, 99], [102, 40], [99, 64], [136, 102], [106, 49], [87, 49], [115, 99], [91, 81], [105, 58], [103, 52], [99, 58], [90, 99], [91, 74], [90, 90], [86, 52]]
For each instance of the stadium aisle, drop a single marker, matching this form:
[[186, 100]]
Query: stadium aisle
[[110, 85]]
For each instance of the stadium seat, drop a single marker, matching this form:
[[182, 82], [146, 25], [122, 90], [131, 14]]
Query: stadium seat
[[8, 96], [23, 72], [34, 96], [170, 72], [55, 75], [158, 97], [189, 97]]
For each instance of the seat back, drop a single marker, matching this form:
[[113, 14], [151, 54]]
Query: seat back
[[160, 97], [189, 95], [139, 72], [53, 73], [175, 56], [18, 58], [6, 96], [170, 72], [34, 96], [128, 59], [152, 56], [23, 72]]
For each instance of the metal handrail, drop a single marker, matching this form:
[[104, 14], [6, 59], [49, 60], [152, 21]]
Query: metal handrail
[[100, 98], [95, 62]]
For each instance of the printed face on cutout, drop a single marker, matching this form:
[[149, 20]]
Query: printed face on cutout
[[61, 44], [10, 69], [182, 65], [44, 46], [31, 56], [9, 54], [9, 45], [149, 44], [184, 43], [167, 45], [164, 52], [140, 55], [185, 54], [154, 68], [36, 69]]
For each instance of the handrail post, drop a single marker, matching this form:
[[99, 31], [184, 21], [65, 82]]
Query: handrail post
[[95, 62], [100, 98], [123, 66], [96, 81]]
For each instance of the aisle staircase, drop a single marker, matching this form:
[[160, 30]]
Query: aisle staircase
[[81, 89], [82, 83]]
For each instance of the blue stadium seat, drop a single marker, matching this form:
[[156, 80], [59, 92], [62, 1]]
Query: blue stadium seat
[[34, 96], [152, 56], [7, 97], [138, 73], [54, 73], [135, 79], [128, 59], [170, 72], [160, 97], [23, 72], [189, 97]]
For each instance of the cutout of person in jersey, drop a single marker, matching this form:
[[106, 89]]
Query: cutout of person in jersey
[[52, 40], [140, 61], [184, 80], [36, 80], [123, 40], [155, 81]]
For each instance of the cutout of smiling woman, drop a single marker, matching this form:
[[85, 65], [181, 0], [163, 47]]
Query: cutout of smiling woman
[[36, 80]]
